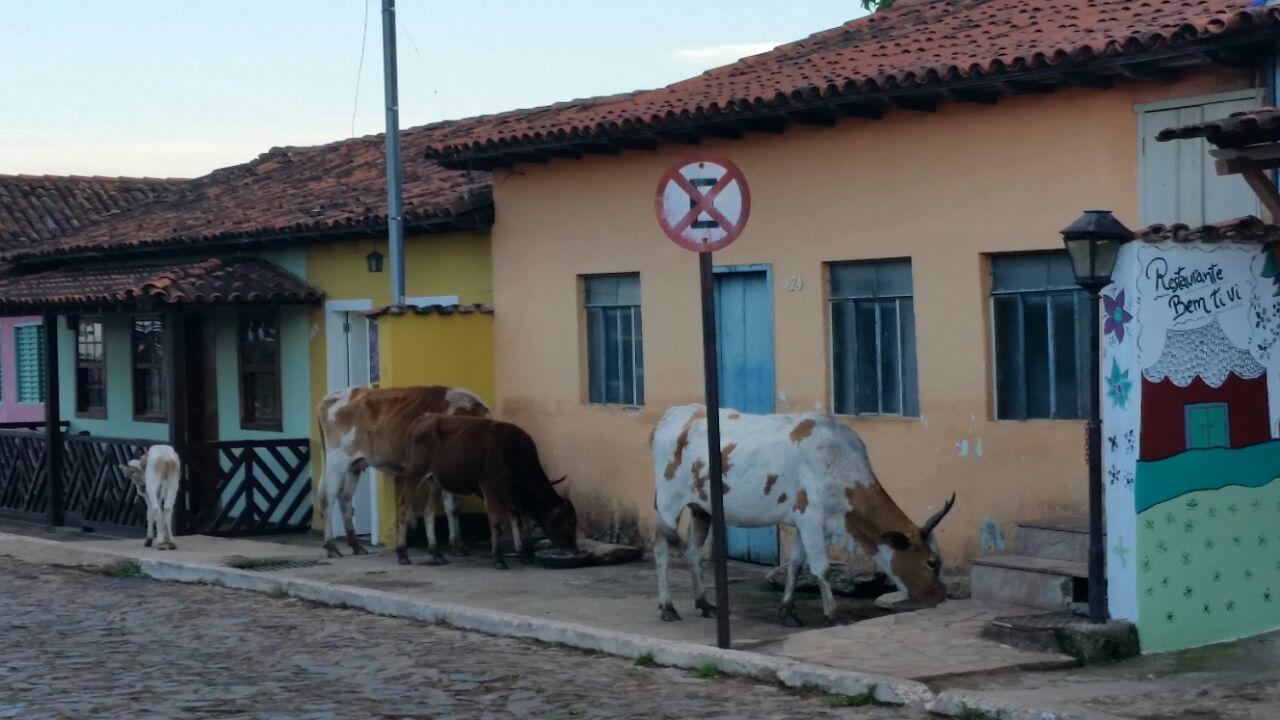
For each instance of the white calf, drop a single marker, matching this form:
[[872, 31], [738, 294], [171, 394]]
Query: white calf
[[156, 476]]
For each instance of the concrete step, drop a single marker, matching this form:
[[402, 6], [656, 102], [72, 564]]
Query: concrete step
[[1064, 538], [1044, 583]]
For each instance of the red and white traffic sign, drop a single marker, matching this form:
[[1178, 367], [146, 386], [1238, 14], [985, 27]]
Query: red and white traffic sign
[[703, 202]]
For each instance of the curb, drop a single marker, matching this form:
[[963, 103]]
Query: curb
[[794, 674], [957, 704]]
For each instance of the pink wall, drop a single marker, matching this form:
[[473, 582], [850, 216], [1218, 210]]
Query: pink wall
[[10, 410]]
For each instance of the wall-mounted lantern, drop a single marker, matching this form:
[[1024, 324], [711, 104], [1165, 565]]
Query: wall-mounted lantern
[[374, 261], [1093, 241]]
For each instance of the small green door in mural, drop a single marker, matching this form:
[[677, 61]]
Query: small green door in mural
[[1207, 426]]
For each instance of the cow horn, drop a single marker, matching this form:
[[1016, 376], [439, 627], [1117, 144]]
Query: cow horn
[[932, 522], [562, 479]]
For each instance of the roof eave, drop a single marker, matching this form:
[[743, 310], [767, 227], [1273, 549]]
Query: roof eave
[[1159, 65], [472, 218]]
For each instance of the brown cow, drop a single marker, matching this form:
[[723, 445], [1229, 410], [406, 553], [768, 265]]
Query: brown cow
[[367, 427], [499, 461]]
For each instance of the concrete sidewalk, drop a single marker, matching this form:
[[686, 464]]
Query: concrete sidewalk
[[609, 609]]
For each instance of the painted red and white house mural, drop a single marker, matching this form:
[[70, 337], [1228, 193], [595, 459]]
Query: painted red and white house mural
[[1191, 417]]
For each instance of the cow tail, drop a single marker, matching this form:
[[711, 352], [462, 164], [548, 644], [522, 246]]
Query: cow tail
[[321, 508]]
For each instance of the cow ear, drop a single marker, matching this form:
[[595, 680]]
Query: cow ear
[[895, 540]]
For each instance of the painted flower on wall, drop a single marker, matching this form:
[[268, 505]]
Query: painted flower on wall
[[1116, 315], [1271, 266], [1119, 385]]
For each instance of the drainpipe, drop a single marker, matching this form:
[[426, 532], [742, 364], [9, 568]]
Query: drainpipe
[[395, 197]]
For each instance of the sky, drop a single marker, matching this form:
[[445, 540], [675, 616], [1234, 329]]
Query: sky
[[177, 88]]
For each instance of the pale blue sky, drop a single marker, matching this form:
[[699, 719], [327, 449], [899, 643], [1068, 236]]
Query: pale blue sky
[[180, 87]]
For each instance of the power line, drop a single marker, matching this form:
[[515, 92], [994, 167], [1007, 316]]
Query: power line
[[364, 42], [435, 93]]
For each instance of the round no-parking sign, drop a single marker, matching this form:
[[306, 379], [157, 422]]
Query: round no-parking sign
[[703, 202]]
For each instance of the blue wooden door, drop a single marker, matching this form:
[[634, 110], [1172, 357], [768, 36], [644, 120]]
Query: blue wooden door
[[744, 332]]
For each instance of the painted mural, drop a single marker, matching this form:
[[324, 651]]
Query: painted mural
[[1191, 417]]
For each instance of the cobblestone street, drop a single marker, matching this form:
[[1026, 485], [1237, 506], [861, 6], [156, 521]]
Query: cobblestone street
[[80, 645]]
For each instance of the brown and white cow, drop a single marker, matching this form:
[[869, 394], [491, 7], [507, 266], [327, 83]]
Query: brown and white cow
[[368, 427], [809, 471], [499, 461]]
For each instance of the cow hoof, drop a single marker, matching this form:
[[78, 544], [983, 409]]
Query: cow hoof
[[358, 550], [332, 551], [708, 610], [669, 613], [148, 542], [172, 546], [790, 618], [404, 560], [437, 558], [500, 564]]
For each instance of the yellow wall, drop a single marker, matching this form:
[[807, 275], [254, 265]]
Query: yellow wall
[[453, 350], [446, 264], [941, 188]]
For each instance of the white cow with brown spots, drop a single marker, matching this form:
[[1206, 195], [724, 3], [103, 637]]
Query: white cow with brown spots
[[156, 477], [808, 471], [368, 427]]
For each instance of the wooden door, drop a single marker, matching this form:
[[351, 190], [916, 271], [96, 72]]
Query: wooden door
[[744, 337]]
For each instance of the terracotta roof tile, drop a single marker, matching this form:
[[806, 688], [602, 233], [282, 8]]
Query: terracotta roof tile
[[443, 310], [1236, 130], [916, 46], [238, 280], [291, 192], [38, 208], [1247, 229]]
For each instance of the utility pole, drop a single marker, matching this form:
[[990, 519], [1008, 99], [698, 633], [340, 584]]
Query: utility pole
[[395, 194]]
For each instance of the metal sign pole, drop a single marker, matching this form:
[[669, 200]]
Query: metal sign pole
[[711, 371], [680, 204]]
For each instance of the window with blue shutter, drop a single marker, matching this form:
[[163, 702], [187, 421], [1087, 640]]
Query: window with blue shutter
[[615, 343], [873, 338], [1041, 337], [28, 346]]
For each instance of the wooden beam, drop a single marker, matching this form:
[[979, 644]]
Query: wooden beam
[[821, 116], [1263, 156], [1149, 73], [637, 143], [1099, 82], [1266, 190], [562, 152], [600, 148], [53, 418], [684, 137], [984, 97], [769, 125], [528, 156], [867, 110], [729, 131], [914, 104], [1228, 58], [1025, 88]]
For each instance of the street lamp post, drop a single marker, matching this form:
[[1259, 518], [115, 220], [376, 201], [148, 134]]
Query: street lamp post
[[1093, 241]]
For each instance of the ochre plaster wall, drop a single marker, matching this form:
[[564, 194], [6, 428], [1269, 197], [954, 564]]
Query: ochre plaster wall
[[943, 189]]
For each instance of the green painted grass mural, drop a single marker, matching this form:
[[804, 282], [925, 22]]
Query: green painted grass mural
[[1208, 559], [1208, 469]]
